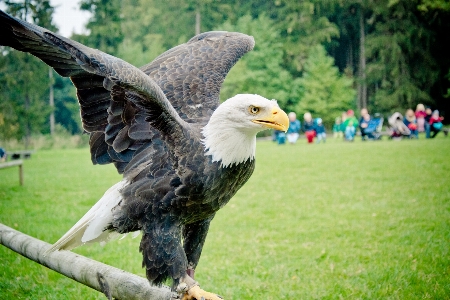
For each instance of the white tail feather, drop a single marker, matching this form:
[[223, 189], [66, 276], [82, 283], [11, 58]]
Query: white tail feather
[[91, 227]]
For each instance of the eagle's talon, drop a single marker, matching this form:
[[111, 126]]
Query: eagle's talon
[[182, 288], [197, 293]]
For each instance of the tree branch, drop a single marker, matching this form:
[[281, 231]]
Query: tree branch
[[111, 281]]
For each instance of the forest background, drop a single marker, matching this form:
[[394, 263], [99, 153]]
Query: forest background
[[322, 56]]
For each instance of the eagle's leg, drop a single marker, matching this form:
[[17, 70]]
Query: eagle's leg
[[194, 235], [163, 255], [191, 271]]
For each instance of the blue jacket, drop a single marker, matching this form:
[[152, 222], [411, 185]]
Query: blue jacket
[[307, 126], [319, 128], [294, 127]]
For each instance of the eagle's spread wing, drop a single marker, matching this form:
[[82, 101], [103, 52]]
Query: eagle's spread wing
[[192, 74], [117, 100]]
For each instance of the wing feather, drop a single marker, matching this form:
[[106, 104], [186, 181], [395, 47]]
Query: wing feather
[[191, 74], [110, 91], [99, 149]]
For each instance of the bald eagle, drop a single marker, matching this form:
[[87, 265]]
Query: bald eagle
[[182, 155]]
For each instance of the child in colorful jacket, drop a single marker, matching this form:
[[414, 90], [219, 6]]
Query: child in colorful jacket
[[308, 127], [435, 123], [320, 131]]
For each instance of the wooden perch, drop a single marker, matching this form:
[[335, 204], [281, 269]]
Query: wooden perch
[[113, 282]]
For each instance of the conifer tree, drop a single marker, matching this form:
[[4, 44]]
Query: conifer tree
[[326, 93]]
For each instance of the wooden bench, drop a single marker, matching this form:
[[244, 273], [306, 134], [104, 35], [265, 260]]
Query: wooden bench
[[20, 154], [14, 163]]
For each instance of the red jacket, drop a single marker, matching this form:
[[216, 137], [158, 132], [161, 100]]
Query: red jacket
[[435, 120], [421, 114]]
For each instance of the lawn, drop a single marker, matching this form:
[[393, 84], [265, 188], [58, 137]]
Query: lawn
[[362, 220]]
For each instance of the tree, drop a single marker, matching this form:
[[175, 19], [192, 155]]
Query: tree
[[400, 68], [362, 84], [140, 44], [434, 16], [260, 71], [303, 28], [105, 31], [24, 79], [326, 93], [434, 5], [67, 109]]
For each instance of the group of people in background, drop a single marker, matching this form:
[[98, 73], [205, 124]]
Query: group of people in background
[[313, 128], [424, 120], [347, 125], [421, 120]]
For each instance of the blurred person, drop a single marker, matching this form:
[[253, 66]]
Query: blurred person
[[411, 122], [428, 113], [279, 137], [364, 123], [308, 127], [343, 119], [338, 131], [344, 116], [398, 128], [420, 117], [320, 131], [435, 123], [294, 128], [2, 155], [371, 127], [351, 119], [350, 132]]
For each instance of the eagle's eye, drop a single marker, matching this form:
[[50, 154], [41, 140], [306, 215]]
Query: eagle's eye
[[253, 109]]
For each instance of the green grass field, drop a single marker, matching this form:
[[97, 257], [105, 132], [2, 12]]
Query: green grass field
[[363, 220]]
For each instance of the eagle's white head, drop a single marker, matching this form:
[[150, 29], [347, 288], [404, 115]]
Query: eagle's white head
[[230, 135]]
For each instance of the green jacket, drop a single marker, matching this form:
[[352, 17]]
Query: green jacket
[[348, 120]]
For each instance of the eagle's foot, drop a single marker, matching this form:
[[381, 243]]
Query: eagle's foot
[[190, 290], [197, 293]]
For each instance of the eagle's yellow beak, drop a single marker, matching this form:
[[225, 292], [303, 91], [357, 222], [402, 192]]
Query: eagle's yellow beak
[[277, 119]]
